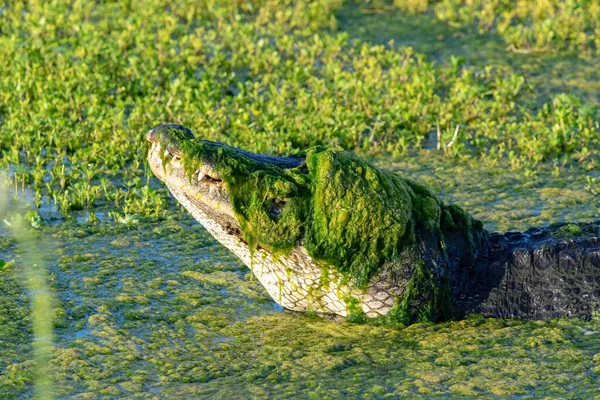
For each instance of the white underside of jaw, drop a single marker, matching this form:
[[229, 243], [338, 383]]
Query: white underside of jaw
[[296, 281]]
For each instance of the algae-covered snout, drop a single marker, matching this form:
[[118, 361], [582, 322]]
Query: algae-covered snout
[[199, 180], [205, 172], [170, 136]]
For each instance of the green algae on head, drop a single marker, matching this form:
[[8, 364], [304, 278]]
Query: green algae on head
[[363, 217], [360, 215], [346, 212], [255, 190]]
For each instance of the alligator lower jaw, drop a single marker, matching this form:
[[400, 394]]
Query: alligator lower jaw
[[296, 281]]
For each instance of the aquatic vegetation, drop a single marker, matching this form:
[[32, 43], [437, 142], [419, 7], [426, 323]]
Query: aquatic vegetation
[[525, 25], [158, 309], [119, 69], [162, 310]]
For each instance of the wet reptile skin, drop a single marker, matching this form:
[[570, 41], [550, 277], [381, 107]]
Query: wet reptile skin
[[531, 275]]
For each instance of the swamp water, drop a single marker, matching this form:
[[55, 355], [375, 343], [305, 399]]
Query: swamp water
[[160, 310]]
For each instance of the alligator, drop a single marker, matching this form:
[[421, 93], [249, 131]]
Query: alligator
[[327, 232]]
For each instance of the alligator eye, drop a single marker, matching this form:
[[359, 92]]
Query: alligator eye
[[276, 208]]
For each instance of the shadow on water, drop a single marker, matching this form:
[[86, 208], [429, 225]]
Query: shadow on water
[[547, 74]]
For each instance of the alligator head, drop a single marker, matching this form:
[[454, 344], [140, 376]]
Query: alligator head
[[328, 232]]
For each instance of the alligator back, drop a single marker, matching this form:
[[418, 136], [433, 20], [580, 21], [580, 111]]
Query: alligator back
[[537, 274]]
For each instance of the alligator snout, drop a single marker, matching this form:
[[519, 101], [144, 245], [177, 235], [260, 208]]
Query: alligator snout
[[167, 143]]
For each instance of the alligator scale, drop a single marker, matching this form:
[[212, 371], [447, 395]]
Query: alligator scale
[[328, 232]]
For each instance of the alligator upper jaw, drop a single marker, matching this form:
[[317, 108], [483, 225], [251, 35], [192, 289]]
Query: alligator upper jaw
[[204, 186]]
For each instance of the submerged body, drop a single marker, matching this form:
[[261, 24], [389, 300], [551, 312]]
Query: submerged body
[[328, 232]]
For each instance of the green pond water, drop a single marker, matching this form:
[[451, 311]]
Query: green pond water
[[161, 310]]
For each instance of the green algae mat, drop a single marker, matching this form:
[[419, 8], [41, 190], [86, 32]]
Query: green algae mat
[[109, 290], [160, 310]]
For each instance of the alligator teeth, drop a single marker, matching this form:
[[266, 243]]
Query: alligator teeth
[[171, 158], [198, 176]]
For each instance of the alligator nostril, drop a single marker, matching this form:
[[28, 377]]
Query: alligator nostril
[[151, 136]]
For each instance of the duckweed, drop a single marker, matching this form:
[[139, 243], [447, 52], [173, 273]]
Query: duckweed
[[148, 309], [181, 320], [530, 26]]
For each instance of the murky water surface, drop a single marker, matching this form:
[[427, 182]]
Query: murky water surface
[[160, 310]]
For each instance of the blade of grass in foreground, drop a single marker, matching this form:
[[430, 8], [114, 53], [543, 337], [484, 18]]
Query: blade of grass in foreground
[[35, 280]]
